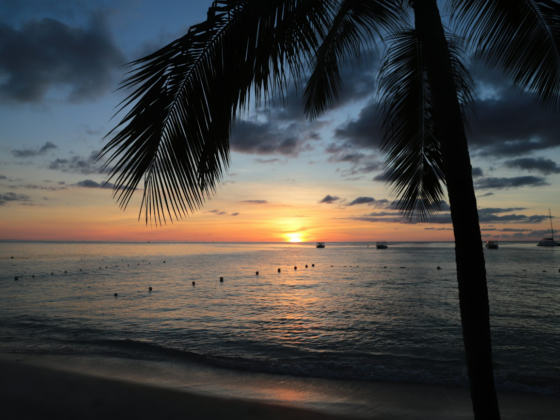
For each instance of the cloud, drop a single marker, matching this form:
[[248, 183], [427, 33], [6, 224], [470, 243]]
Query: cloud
[[363, 132], [267, 138], [259, 160], [78, 164], [382, 177], [255, 201], [37, 187], [3, 177], [44, 55], [488, 194], [508, 122], [218, 212], [506, 183], [541, 165], [362, 200], [13, 197], [235, 214], [88, 183], [477, 172], [497, 210], [24, 153], [329, 199]]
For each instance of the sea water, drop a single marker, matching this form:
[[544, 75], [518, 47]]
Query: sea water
[[349, 311]]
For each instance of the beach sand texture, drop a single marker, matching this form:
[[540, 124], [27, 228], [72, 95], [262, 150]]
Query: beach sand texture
[[31, 390]]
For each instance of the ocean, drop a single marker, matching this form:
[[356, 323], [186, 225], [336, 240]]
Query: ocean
[[348, 312]]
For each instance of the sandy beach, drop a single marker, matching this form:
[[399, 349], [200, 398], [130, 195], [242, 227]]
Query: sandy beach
[[43, 387]]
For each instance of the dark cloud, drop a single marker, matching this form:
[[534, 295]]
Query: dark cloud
[[267, 139], [11, 197], [477, 172], [512, 218], [487, 194], [88, 183], [329, 199], [486, 215], [363, 132], [497, 210], [273, 160], [235, 214], [506, 183], [255, 201], [24, 153], [218, 212], [37, 187], [362, 200], [47, 54], [382, 177], [78, 164], [347, 157], [541, 165], [507, 122]]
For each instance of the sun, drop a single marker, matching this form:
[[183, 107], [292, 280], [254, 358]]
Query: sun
[[293, 237]]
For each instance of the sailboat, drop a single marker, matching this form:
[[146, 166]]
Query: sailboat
[[549, 241]]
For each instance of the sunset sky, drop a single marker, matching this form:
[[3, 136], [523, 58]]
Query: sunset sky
[[289, 179]]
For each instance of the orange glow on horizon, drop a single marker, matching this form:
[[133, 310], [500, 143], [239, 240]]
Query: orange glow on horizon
[[293, 237]]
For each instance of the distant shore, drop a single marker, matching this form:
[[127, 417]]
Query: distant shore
[[37, 388]]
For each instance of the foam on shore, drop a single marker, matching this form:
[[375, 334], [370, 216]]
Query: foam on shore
[[62, 387]]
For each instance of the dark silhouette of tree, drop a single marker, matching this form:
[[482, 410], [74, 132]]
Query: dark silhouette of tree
[[187, 96]]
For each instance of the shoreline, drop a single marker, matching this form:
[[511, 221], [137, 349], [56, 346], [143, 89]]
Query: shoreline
[[92, 387]]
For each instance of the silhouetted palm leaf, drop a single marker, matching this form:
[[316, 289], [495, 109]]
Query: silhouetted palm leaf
[[176, 134], [520, 36], [356, 24], [413, 157]]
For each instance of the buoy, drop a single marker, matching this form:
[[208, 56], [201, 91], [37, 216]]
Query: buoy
[[33, 276], [312, 265], [105, 267], [116, 294], [305, 265], [257, 273], [16, 278], [438, 267], [150, 288], [12, 258], [385, 267], [80, 269], [544, 271], [193, 283], [52, 274], [164, 262], [65, 272], [221, 280], [281, 270], [295, 268]]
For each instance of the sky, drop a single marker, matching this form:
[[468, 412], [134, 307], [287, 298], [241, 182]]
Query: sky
[[289, 179]]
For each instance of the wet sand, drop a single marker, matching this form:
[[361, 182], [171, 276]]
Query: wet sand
[[45, 387]]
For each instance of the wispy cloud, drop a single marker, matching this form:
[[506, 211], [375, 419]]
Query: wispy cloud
[[25, 153]]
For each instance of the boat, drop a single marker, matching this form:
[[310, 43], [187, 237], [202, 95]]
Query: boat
[[492, 245], [381, 245], [320, 244], [549, 241]]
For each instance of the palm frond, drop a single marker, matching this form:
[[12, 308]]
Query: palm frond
[[187, 95], [410, 142], [355, 25], [522, 37]]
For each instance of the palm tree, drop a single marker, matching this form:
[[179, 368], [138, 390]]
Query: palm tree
[[187, 96]]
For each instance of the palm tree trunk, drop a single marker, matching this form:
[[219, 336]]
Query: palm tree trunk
[[471, 271]]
